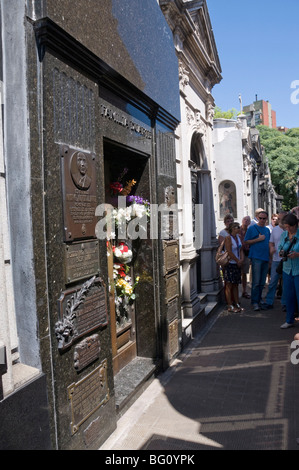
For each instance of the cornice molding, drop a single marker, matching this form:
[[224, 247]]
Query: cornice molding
[[51, 38], [187, 39]]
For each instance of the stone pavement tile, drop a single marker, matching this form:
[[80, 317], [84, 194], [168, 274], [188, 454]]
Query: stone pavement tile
[[233, 388]]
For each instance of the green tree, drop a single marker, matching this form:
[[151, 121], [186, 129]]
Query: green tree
[[282, 151], [230, 114]]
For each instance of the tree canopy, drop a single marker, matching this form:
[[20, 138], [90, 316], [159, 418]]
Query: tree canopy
[[282, 151], [230, 114]]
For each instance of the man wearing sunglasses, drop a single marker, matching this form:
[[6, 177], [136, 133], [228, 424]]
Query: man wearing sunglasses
[[257, 237]]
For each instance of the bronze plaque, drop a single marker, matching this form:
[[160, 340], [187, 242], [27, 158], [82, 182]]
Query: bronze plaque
[[172, 286], [81, 260], [172, 310], [87, 351], [87, 395], [80, 311], [79, 193], [171, 255], [173, 338]]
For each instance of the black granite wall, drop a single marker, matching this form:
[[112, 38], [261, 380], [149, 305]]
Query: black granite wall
[[98, 93]]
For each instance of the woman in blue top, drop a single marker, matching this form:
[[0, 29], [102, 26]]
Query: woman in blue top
[[290, 273]]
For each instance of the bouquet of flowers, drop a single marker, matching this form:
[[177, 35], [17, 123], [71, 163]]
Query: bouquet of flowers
[[124, 292], [139, 206], [122, 253], [124, 284]]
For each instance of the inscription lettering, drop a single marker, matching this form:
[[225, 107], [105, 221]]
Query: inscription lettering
[[81, 311], [171, 255], [124, 121], [81, 260], [171, 287], [86, 352], [87, 395]]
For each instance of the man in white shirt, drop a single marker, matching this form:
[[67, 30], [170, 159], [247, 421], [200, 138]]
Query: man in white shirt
[[274, 277], [274, 222]]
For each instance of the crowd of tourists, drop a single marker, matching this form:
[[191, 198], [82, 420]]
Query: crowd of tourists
[[264, 251]]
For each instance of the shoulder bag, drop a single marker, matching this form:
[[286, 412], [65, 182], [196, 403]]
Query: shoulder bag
[[222, 257]]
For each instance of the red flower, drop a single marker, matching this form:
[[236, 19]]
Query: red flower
[[123, 248], [116, 187]]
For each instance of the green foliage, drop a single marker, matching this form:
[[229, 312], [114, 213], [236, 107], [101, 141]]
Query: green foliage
[[282, 151], [230, 114]]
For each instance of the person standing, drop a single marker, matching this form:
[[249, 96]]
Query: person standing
[[258, 237], [246, 261], [232, 271], [273, 223], [228, 219], [256, 214], [274, 276], [290, 268]]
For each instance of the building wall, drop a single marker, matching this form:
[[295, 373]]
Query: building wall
[[229, 163], [69, 92], [199, 70]]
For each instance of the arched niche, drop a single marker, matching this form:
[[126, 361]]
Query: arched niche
[[227, 198]]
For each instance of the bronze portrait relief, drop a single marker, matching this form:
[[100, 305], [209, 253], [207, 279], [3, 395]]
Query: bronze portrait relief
[[81, 170]]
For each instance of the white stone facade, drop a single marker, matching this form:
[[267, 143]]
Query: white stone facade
[[199, 71], [242, 176]]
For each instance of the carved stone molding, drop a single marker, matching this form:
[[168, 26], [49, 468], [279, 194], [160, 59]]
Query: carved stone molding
[[195, 120], [183, 76]]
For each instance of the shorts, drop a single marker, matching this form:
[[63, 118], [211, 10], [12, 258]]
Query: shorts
[[246, 265], [232, 273]]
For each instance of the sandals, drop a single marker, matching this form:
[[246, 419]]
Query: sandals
[[232, 309], [235, 309], [246, 295], [239, 308]]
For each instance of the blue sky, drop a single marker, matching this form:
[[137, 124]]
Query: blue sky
[[258, 48]]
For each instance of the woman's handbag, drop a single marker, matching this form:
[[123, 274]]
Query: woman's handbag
[[222, 257]]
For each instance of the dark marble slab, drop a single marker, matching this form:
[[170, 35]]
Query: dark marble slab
[[131, 379], [132, 37], [24, 418]]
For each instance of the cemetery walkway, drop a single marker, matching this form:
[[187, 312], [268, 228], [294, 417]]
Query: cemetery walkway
[[234, 387]]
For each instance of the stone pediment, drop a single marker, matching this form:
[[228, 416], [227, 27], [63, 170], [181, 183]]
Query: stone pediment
[[200, 16], [190, 23]]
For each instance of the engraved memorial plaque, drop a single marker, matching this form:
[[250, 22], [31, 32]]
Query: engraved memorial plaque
[[81, 260], [172, 287], [87, 351], [166, 154], [173, 338], [80, 311], [87, 395], [172, 310], [171, 255], [79, 193]]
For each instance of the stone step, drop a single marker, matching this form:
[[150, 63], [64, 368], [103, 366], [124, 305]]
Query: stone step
[[131, 381], [192, 326]]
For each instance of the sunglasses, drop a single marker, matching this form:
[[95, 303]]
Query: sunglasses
[[263, 218]]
